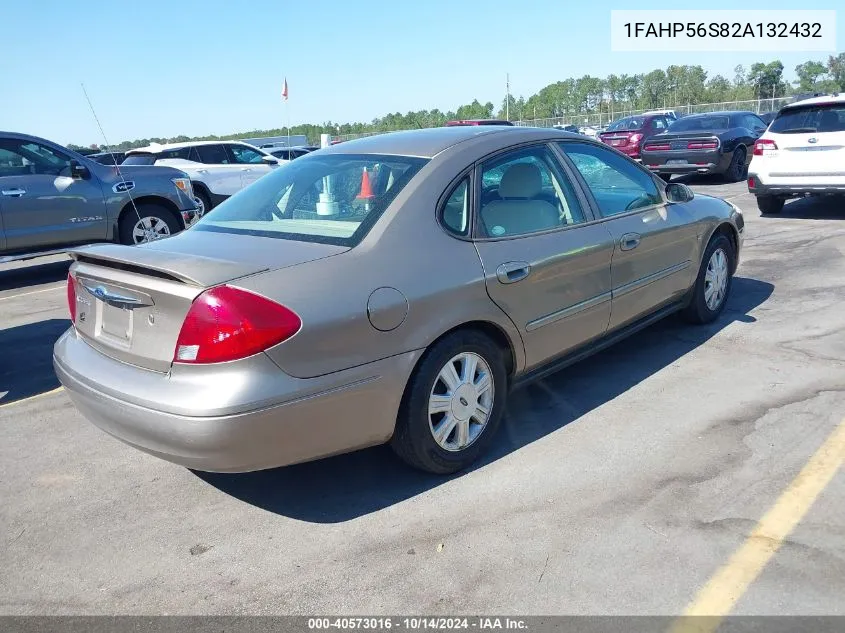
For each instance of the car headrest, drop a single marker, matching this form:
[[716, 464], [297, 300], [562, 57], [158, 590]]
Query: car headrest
[[521, 180]]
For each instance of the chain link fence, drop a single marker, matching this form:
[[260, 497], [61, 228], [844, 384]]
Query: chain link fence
[[601, 119]]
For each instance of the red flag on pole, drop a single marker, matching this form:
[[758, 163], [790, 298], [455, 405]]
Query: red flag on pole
[[285, 90]]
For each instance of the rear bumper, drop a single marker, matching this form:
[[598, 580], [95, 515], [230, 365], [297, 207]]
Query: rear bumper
[[758, 187], [308, 418], [696, 163]]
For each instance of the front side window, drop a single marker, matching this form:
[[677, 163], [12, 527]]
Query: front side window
[[246, 155], [617, 185], [525, 191], [332, 199], [21, 158]]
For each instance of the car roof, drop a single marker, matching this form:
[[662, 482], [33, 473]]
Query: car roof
[[428, 142], [834, 98], [161, 147], [719, 113]]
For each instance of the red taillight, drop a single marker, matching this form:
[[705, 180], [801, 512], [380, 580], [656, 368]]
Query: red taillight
[[764, 145], [658, 147], [71, 297], [226, 323], [635, 138], [702, 145], [751, 182]]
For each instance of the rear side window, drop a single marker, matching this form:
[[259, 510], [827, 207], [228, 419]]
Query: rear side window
[[455, 212], [212, 154], [182, 152], [809, 119]]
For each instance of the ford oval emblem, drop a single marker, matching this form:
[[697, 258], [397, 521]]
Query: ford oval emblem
[[812, 139], [99, 292]]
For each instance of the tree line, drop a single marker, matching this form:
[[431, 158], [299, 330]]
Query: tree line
[[612, 95]]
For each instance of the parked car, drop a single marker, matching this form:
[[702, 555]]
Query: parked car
[[802, 153], [326, 308], [768, 117], [568, 128], [478, 122], [289, 153], [217, 169], [669, 114], [712, 143], [627, 134], [52, 198], [108, 158]]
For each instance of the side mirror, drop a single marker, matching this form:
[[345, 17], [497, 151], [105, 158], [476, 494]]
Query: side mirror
[[78, 171], [679, 192], [270, 160]]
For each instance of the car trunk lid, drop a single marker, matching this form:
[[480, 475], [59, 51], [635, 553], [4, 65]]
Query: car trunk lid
[[808, 153], [621, 139], [132, 300]]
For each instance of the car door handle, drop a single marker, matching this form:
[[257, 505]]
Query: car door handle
[[629, 241], [245, 169], [511, 272], [14, 193]]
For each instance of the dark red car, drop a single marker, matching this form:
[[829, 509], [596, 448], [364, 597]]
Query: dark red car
[[627, 135]]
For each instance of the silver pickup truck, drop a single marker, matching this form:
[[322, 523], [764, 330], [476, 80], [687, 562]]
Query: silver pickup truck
[[52, 198]]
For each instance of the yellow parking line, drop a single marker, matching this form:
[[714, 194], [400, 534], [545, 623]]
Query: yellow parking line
[[721, 593], [32, 292], [35, 397]]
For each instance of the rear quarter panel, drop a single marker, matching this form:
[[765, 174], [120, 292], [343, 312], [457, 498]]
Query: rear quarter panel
[[440, 277]]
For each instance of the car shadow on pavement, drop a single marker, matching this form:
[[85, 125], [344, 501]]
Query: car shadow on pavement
[[341, 488], [813, 208], [26, 368], [33, 275]]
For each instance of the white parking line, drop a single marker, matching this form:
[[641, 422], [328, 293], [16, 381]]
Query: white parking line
[[31, 292], [35, 397]]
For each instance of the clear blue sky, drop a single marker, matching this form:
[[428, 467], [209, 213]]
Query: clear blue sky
[[163, 68]]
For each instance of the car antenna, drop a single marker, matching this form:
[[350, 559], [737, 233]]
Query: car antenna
[[108, 149]]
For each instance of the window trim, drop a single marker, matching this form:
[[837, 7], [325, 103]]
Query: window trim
[[583, 201], [658, 183], [467, 174]]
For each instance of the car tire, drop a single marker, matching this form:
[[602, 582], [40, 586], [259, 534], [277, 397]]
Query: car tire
[[714, 276], [736, 170], [419, 419], [770, 205], [150, 218], [204, 200]]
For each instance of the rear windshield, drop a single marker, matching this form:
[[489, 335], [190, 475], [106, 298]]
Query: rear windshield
[[628, 124], [332, 199], [695, 123], [809, 119], [140, 159]]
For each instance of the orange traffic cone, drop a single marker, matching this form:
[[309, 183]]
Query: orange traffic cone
[[366, 190]]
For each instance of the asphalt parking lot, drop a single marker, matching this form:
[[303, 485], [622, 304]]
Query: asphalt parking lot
[[622, 485]]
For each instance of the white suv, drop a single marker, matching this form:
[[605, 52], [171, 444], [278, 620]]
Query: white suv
[[218, 169], [802, 153]]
